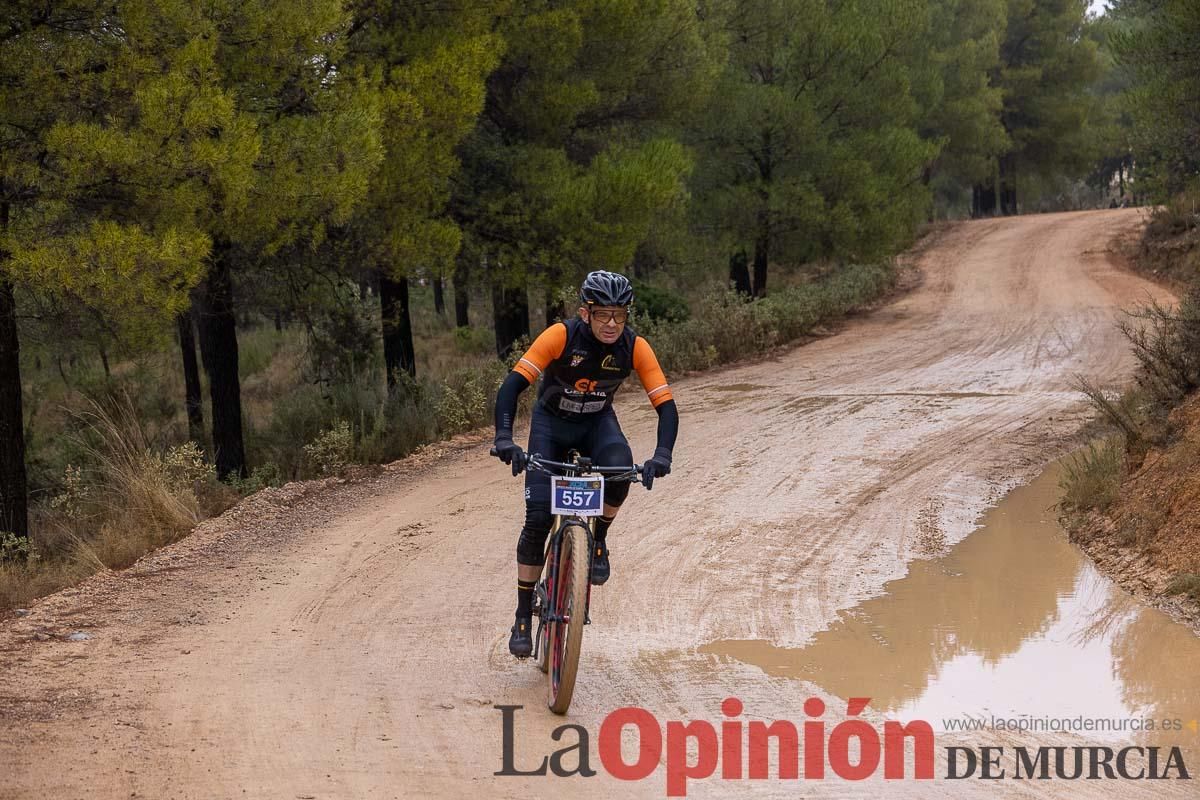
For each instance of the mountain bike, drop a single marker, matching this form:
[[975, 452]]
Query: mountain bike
[[562, 597]]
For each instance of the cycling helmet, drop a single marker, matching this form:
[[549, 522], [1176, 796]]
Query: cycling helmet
[[606, 289]]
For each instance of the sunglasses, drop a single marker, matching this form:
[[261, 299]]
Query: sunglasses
[[603, 316]]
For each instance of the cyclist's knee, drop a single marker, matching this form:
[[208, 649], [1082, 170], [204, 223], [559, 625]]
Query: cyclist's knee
[[531, 547], [615, 454], [615, 492]]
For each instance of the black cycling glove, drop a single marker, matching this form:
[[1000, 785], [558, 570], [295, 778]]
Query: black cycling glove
[[660, 465], [510, 453]]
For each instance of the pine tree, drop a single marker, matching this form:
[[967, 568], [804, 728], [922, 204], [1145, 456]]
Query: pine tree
[[316, 133], [571, 159], [430, 62], [959, 106], [1159, 42], [75, 165], [1046, 67], [810, 147]]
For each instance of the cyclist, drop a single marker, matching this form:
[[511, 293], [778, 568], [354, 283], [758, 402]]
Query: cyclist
[[581, 362]]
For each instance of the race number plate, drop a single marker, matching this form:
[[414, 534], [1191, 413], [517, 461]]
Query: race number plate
[[579, 497]]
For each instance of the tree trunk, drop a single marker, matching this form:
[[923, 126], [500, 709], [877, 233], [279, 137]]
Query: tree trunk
[[762, 240], [104, 359], [439, 295], [926, 181], [510, 309], [14, 508], [554, 310], [191, 378], [1008, 185], [462, 288], [645, 260], [762, 253], [983, 203], [398, 353], [739, 272], [219, 352]]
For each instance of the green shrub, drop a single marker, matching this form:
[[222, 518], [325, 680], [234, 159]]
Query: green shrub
[[1166, 344], [659, 305], [69, 501], [16, 549], [468, 397], [183, 466], [474, 341], [384, 425], [331, 451], [260, 477], [724, 326], [343, 338]]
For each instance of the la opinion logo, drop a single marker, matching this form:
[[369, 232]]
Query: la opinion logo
[[723, 746]]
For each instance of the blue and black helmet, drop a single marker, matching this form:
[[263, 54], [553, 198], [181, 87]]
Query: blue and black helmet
[[606, 289]]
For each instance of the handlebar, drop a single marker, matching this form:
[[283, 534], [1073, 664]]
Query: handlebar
[[633, 473]]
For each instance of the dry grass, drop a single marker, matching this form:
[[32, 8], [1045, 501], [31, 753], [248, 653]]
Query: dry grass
[[1092, 477], [1185, 583], [128, 499]]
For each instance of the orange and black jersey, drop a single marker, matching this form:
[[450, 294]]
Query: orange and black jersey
[[580, 374]]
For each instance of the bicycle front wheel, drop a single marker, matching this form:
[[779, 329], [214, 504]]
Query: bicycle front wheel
[[570, 605]]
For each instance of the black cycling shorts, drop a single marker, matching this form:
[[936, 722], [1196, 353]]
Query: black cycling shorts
[[598, 437]]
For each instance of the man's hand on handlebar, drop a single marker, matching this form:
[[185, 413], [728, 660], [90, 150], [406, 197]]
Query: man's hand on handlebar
[[509, 452], [656, 467]]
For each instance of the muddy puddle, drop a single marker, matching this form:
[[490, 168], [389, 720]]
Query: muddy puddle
[[1011, 622]]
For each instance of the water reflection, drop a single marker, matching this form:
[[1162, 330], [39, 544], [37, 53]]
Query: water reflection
[[1012, 622]]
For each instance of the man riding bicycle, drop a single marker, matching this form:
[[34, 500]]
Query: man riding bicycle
[[582, 362]]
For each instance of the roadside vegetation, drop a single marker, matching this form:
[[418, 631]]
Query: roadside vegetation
[[1138, 493], [1139, 488]]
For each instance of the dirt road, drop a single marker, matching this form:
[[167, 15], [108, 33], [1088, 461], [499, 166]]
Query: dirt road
[[351, 642]]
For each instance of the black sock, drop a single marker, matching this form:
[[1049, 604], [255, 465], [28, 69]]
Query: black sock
[[601, 531], [525, 597]]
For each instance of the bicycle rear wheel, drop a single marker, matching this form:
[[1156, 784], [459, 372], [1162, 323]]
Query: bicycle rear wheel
[[570, 605]]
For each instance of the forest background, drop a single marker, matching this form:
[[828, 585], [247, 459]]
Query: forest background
[[248, 242]]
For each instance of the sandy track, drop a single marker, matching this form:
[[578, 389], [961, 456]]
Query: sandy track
[[354, 645]]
